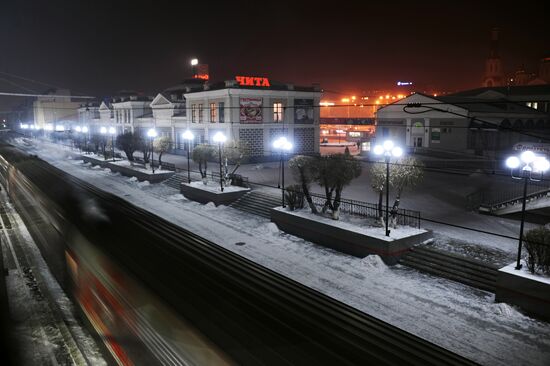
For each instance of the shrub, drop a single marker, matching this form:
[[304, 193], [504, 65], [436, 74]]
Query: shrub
[[537, 244], [294, 197]]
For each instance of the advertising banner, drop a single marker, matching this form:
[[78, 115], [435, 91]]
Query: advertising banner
[[303, 111], [250, 110]]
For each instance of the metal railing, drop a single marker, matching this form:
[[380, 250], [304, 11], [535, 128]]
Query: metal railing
[[366, 209]]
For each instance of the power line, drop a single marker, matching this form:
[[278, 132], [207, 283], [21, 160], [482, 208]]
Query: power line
[[31, 80]]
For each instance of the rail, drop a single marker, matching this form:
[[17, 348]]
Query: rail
[[366, 209]]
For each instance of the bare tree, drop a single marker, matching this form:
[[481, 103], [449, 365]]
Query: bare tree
[[201, 155], [334, 173], [378, 184], [161, 145], [406, 173], [129, 143], [304, 169]]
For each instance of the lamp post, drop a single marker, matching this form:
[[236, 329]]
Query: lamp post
[[188, 136], [220, 138], [194, 63], [103, 132], [112, 132], [152, 133], [388, 150], [85, 132], [78, 129], [528, 165], [283, 146]]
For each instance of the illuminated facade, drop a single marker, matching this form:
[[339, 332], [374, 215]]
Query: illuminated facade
[[255, 111]]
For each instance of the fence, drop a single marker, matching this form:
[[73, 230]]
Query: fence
[[353, 207], [236, 179]]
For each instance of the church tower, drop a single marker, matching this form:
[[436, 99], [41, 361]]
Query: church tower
[[493, 65]]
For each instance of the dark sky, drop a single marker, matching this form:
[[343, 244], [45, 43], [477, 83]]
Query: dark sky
[[99, 47]]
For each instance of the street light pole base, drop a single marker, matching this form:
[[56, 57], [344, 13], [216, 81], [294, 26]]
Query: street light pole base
[[388, 232], [518, 267]]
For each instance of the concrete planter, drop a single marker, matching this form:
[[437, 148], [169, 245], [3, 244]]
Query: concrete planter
[[128, 171], [345, 240], [529, 292], [202, 195]]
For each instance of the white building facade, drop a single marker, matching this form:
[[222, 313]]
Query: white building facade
[[254, 115]]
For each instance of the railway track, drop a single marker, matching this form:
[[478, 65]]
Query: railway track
[[48, 339], [255, 315]]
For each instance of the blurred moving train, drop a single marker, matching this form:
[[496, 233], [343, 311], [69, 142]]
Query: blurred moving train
[[135, 327], [155, 293]]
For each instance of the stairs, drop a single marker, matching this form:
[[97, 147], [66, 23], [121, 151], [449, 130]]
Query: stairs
[[455, 267], [257, 202], [176, 180]]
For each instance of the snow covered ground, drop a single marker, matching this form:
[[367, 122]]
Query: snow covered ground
[[452, 315]]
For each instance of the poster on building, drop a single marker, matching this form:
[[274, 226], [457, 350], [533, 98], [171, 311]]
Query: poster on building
[[303, 111], [250, 110], [436, 135]]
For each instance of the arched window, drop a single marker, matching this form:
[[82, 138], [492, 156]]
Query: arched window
[[505, 124], [529, 124], [540, 124], [517, 124]]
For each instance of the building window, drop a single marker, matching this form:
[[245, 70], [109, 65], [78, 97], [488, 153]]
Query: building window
[[277, 112], [213, 112], [200, 113], [221, 112], [535, 105], [194, 113]]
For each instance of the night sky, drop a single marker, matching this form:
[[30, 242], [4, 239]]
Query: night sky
[[99, 48]]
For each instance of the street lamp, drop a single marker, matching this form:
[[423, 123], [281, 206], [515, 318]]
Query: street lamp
[[78, 130], [103, 132], [388, 150], [528, 165], [152, 133], [220, 138], [188, 136], [85, 132], [194, 63], [283, 146], [112, 132]]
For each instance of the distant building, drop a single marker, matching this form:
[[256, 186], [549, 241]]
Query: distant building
[[56, 109], [493, 75], [485, 121]]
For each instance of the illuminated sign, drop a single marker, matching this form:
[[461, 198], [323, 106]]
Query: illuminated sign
[[252, 81], [404, 83], [201, 72]]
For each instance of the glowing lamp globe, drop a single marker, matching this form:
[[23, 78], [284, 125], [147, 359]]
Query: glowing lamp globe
[[527, 157], [219, 137], [512, 162], [378, 150], [541, 164], [397, 151], [388, 145], [188, 135]]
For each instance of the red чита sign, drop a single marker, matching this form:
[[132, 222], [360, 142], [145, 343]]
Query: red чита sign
[[252, 81]]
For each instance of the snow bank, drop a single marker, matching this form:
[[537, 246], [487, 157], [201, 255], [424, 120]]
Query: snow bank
[[374, 264]]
